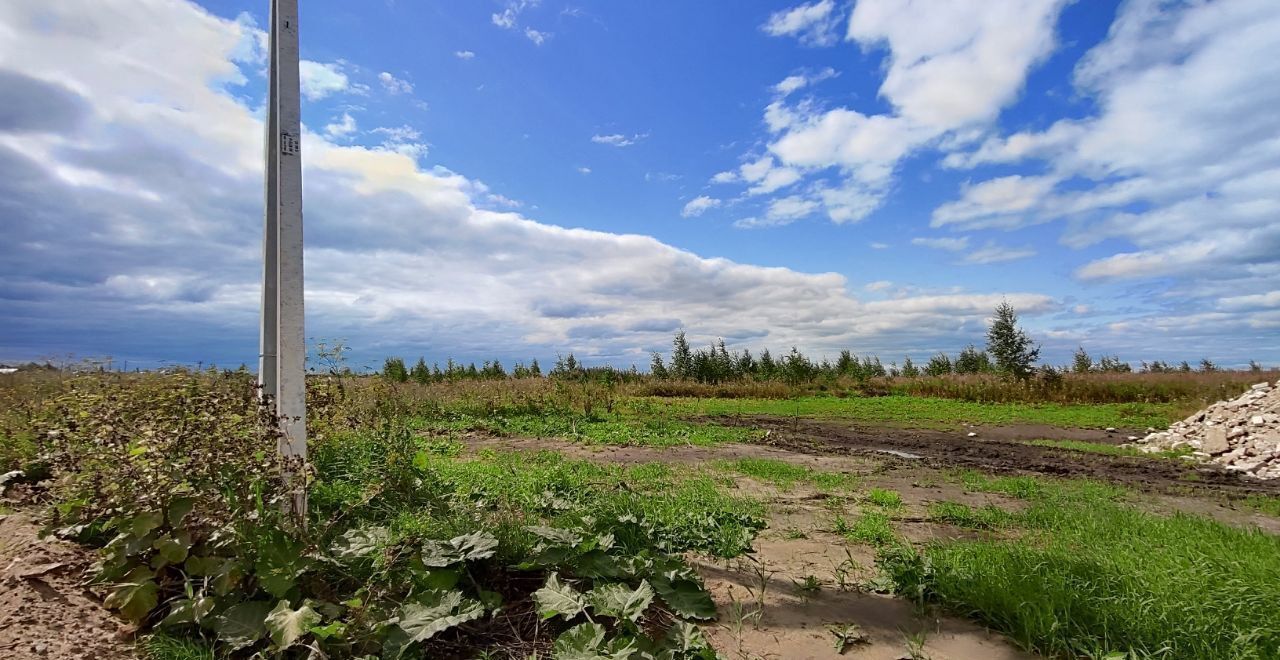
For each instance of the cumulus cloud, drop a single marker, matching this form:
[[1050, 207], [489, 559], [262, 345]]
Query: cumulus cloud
[[341, 128], [319, 80], [395, 85], [1180, 159], [464, 54], [133, 224], [699, 205], [949, 70], [618, 139], [814, 24]]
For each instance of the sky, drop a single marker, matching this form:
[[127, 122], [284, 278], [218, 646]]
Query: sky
[[519, 178]]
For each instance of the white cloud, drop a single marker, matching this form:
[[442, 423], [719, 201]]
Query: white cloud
[[319, 80], [342, 128], [1180, 159], [814, 24], [728, 176], [994, 254], [536, 36], [790, 209], [699, 205], [403, 133], [584, 170], [156, 235], [395, 85], [950, 244], [995, 202], [949, 70], [879, 246], [618, 139], [464, 54], [799, 81]]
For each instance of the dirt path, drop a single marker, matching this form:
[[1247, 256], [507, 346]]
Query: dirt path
[[998, 449], [45, 612]]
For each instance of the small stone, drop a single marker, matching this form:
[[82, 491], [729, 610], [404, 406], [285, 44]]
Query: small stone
[[1236, 432], [972, 434], [1111, 429], [1261, 386], [1215, 441], [1132, 438], [1257, 420]]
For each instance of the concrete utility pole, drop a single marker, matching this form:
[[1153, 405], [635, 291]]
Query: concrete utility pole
[[282, 364]]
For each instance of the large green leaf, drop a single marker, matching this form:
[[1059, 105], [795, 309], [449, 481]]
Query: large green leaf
[[477, 545], [435, 612], [173, 547], [143, 523], [188, 610], [135, 595], [359, 543], [684, 637], [286, 624], [179, 508], [556, 535], [587, 642], [581, 642], [556, 598], [620, 601], [685, 597], [243, 624]]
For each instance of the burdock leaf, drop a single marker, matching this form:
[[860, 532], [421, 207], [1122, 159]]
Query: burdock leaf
[[243, 624], [556, 598], [361, 542], [581, 642], [685, 597], [286, 625], [477, 545], [437, 611], [620, 601], [135, 596]]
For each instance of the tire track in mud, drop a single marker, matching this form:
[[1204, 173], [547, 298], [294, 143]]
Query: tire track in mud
[[1002, 454]]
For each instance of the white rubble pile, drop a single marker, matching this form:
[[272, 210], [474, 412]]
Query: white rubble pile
[[1242, 435]]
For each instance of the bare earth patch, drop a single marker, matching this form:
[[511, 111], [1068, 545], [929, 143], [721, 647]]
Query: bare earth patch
[[45, 611]]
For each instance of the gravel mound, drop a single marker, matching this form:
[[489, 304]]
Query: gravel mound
[[1242, 435]]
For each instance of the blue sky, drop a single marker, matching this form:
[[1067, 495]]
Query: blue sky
[[516, 178]]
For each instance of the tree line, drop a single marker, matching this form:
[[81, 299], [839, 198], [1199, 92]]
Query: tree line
[[1009, 351]]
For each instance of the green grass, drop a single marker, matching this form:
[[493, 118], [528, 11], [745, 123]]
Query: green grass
[[650, 432], [161, 646], [881, 497], [872, 528], [962, 515], [1268, 504], [1089, 574], [936, 412], [787, 475]]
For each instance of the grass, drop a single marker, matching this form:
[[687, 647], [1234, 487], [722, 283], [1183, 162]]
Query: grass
[[649, 432], [937, 412], [786, 475], [1266, 504], [884, 498], [1090, 574], [161, 646], [872, 527], [962, 515]]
